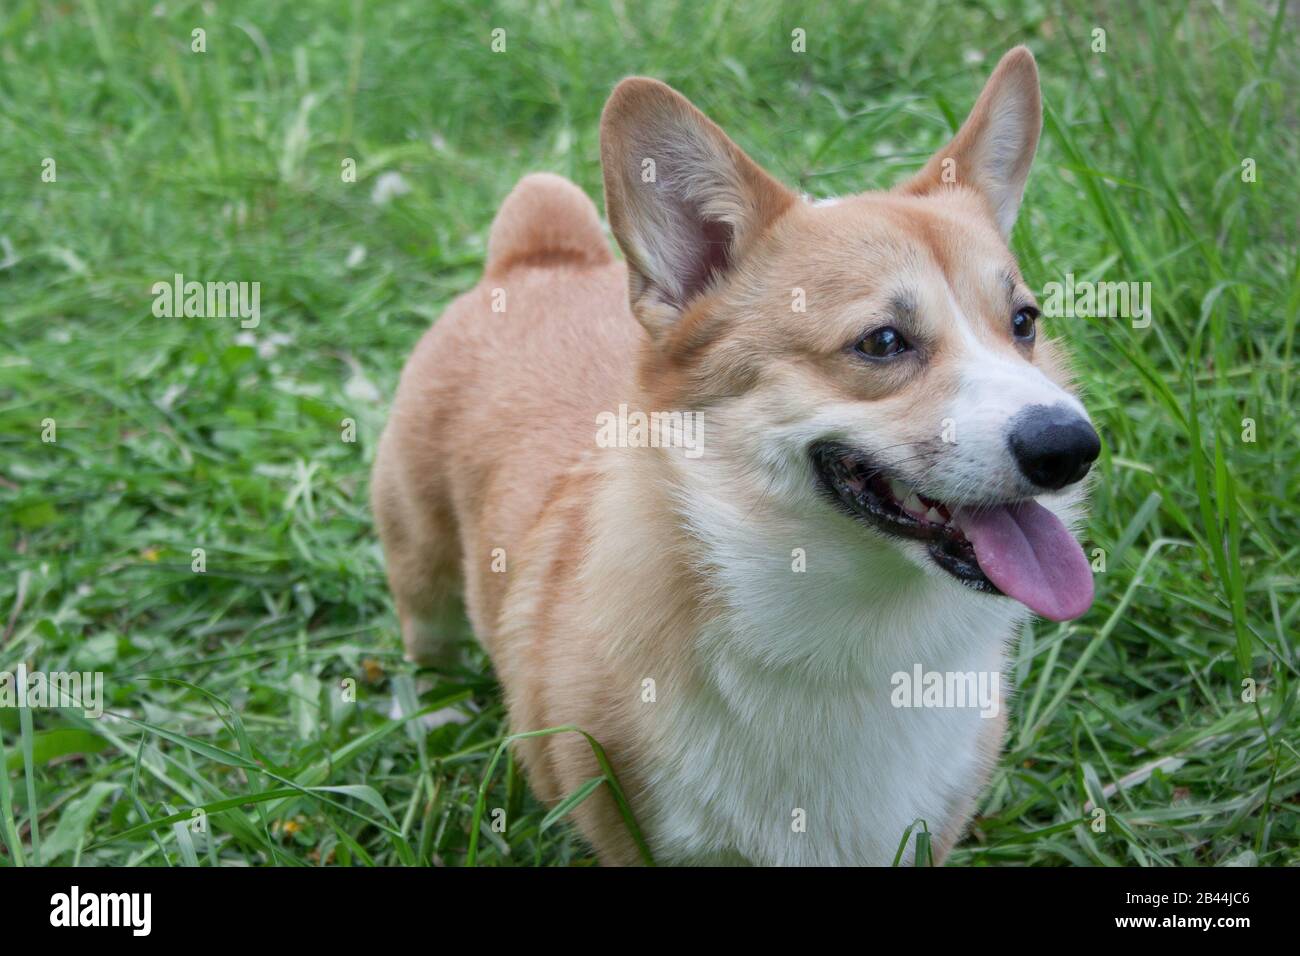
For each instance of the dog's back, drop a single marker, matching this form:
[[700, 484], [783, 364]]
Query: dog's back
[[521, 363]]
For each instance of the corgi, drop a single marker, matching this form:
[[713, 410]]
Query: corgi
[[887, 462]]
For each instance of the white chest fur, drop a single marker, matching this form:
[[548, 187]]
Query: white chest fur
[[788, 748]]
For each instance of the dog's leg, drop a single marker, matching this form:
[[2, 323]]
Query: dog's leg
[[422, 551], [990, 748]]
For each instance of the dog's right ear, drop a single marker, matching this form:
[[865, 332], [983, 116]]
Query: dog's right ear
[[684, 201]]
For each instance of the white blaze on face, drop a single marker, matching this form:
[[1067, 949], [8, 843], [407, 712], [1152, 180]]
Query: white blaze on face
[[994, 388]]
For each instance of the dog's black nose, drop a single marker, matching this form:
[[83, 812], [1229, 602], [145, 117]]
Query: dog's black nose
[[1053, 445]]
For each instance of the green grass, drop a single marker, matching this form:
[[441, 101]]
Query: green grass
[[224, 688]]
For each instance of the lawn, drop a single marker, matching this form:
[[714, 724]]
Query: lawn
[[185, 499]]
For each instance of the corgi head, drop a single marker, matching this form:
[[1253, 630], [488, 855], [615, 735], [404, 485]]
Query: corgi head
[[876, 357]]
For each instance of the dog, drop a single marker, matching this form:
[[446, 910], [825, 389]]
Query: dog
[[887, 461]]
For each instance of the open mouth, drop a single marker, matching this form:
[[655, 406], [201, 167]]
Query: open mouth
[[1019, 549], [869, 494]]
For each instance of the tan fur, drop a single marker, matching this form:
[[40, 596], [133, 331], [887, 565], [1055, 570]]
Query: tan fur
[[490, 443]]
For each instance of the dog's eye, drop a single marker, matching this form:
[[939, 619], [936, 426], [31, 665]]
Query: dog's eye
[[1022, 323], [883, 343]]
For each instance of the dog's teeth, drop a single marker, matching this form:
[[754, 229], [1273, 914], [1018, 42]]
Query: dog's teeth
[[912, 504], [933, 515], [900, 491]]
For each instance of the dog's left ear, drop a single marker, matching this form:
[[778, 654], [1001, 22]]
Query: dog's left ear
[[994, 148]]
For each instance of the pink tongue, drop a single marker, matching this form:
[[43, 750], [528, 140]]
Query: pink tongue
[[1026, 551]]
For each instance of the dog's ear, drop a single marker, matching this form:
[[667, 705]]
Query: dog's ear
[[683, 200], [994, 148]]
